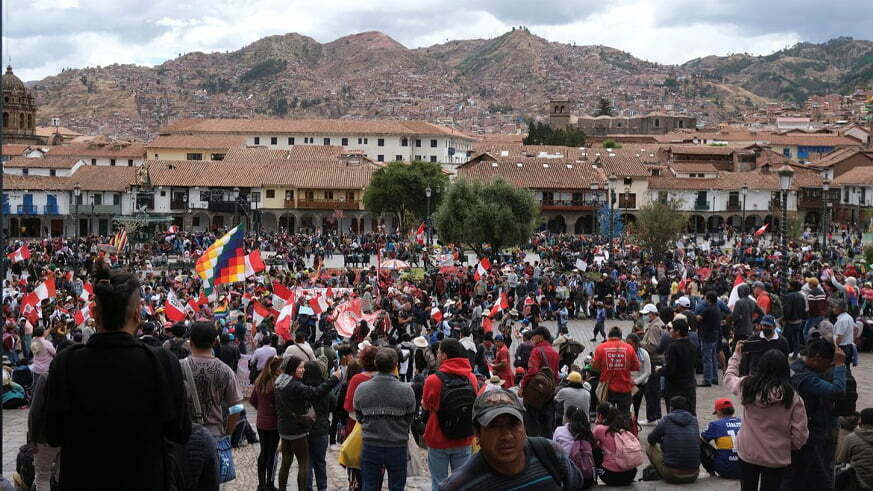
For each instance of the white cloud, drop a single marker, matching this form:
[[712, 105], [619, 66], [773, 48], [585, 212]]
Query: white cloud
[[76, 33]]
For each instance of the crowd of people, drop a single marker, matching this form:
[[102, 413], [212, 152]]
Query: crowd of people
[[458, 357]]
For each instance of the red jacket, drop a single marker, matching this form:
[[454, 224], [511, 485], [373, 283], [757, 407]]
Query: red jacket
[[430, 400], [535, 362]]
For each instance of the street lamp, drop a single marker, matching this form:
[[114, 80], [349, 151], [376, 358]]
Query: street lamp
[[711, 211], [786, 174], [826, 194], [427, 192], [745, 190], [613, 184], [594, 188], [236, 205], [77, 193]]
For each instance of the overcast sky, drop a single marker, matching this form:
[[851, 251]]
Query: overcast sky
[[43, 36]]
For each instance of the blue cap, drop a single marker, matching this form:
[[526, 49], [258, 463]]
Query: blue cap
[[525, 321], [768, 320], [498, 337]]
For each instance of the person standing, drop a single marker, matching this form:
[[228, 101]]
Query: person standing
[[679, 362], [384, 406], [616, 360], [817, 305], [794, 313], [502, 367], [640, 377], [448, 396], [774, 422], [543, 364], [318, 434], [111, 403], [43, 353], [819, 378], [264, 401], [744, 312], [654, 329], [709, 332]]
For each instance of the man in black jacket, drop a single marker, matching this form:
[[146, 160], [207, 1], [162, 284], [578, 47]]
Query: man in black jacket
[[793, 315], [679, 362]]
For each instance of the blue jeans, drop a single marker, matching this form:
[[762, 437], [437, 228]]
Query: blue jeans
[[439, 460], [374, 458], [317, 465], [710, 365], [810, 323]]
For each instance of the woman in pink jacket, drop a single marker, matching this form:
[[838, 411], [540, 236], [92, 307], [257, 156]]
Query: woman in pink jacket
[[774, 422]]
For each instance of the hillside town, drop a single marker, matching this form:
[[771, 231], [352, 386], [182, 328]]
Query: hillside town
[[437, 269]]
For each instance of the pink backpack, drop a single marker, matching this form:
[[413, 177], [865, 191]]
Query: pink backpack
[[628, 451], [582, 455]]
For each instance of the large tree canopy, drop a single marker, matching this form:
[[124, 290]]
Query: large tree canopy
[[658, 225], [474, 213], [543, 134], [399, 188]]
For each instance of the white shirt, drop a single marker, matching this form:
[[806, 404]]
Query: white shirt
[[263, 354], [844, 329]]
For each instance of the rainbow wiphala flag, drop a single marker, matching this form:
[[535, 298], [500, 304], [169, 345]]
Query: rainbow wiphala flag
[[224, 261]]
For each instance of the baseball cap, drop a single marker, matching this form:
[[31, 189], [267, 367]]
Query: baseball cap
[[498, 337], [768, 320], [683, 302], [649, 309], [723, 403], [494, 403]]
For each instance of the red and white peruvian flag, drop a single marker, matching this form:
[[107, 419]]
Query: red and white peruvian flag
[[419, 235], [193, 307], [436, 314], [87, 292], [761, 230], [254, 264], [19, 254], [173, 229], [319, 304], [259, 313], [482, 268], [82, 315], [501, 304], [281, 295], [246, 299], [283, 322], [735, 295], [45, 290], [172, 309], [30, 308]]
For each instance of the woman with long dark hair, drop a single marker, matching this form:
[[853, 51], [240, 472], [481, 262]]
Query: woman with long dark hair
[[264, 400], [318, 434], [610, 423], [112, 402], [577, 432], [774, 419]]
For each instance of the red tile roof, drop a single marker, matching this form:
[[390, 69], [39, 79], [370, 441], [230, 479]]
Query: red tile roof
[[534, 173], [100, 149], [48, 162]]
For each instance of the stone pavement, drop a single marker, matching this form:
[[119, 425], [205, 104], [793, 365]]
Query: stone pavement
[[15, 428]]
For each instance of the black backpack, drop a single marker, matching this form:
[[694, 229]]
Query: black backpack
[[846, 405], [455, 415]]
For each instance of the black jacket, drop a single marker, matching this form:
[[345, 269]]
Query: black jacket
[[679, 362], [109, 405], [679, 437], [793, 307], [294, 398]]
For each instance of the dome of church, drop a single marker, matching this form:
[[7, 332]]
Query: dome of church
[[11, 81]]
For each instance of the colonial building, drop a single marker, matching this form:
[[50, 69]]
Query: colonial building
[[654, 123], [19, 111]]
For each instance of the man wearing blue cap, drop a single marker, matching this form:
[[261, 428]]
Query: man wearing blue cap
[[767, 338]]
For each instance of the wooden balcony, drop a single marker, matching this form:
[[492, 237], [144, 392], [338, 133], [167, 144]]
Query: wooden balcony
[[734, 206], [568, 205], [813, 203], [325, 204]]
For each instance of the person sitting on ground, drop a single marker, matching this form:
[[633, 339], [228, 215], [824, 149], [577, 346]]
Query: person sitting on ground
[[508, 458], [577, 394], [723, 459], [674, 448], [611, 424], [857, 450], [576, 439]]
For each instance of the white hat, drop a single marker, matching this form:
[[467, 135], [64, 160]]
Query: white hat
[[649, 309], [683, 302], [420, 342]]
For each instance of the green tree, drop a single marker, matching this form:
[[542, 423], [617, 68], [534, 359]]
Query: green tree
[[657, 226], [543, 134], [609, 143], [399, 189], [475, 213], [604, 107]]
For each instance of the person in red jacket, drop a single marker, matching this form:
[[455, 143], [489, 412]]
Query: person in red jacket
[[540, 421], [616, 360], [442, 451]]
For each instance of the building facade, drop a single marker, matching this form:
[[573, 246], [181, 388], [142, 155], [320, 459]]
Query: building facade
[[654, 123]]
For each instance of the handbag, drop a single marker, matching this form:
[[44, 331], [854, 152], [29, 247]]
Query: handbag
[[307, 418], [602, 391], [350, 451], [226, 468]]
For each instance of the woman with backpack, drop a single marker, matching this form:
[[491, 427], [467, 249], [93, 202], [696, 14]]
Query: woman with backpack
[[620, 453], [318, 434], [264, 400], [294, 404], [774, 419], [576, 439]]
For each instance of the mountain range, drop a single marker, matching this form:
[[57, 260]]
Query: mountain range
[[479, 85]]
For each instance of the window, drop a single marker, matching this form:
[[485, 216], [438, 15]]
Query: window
[[97, 199], [309, 139], [195, 221], [786, 152], [327, 141], [418, 157], [310, 195], [657, 123], [404, 142], [79, 199], [433, 158], [350, 195], [94, 161], [846, 195], [628, 181], [271, 193], [418, 142], [380, 142], [25, 171], [627, 200], [328, 195], [53, 172], [116, 199], [290, 140], [289, 195], [663, 196], [656, 172], [112, 162], [257, 140], [344, 141], [163, 194], [433, 144], [194, 156], [399, 158], [274, 140], [205, 195], [217, 156], [255, 197], [130, 162], [681, 123], [380, 158]]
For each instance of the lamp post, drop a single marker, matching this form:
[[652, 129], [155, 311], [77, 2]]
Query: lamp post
[[786, 174], [613, 183], [427, 192], [711, 211], [594, 189], [826, 194], [77, 195], [236, 206], [745, 190]]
